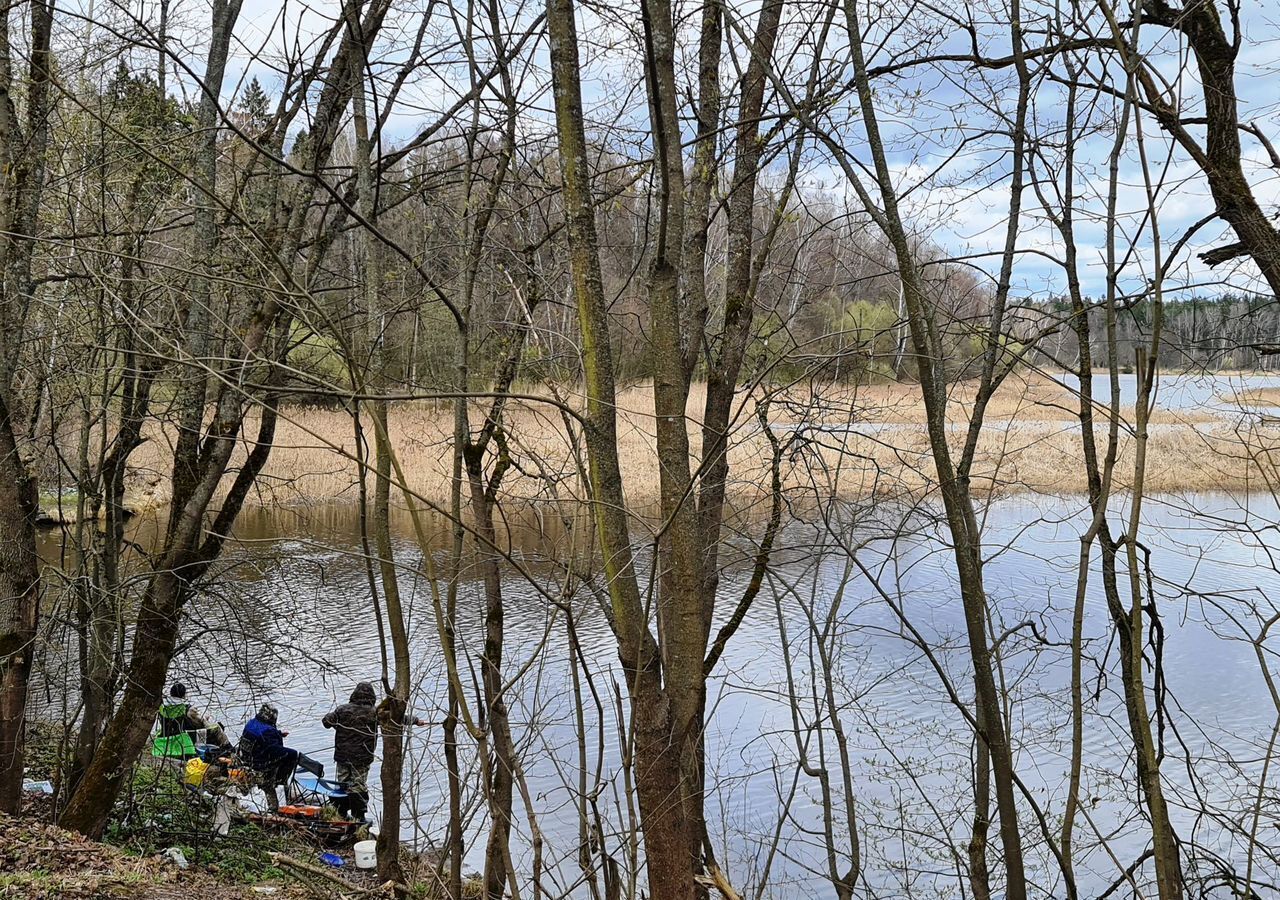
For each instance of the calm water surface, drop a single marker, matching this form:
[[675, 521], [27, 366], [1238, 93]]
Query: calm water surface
[[1188, 391], [296, 583]]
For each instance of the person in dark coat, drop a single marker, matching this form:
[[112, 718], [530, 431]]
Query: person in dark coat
[[262, 749], [355, 727]]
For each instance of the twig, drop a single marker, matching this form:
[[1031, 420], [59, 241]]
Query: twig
[[294, 863], [716, 878]]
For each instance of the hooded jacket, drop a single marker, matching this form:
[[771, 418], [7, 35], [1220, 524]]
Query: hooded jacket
[[355, 725], [262, 745]]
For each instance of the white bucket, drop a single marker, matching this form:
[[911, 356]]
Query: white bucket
[[366, 854]]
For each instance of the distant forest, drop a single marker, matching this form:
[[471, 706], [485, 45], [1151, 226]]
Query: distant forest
[[1211, 333]]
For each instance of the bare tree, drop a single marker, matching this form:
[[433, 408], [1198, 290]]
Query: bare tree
[[23, 146]]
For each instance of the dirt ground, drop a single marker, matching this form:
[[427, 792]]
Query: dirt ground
[[43, 862]]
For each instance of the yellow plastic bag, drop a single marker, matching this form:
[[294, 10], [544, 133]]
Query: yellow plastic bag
[[196, 769]]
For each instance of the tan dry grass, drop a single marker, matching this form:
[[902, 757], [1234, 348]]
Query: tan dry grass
[[841, 441], [1267, 396]]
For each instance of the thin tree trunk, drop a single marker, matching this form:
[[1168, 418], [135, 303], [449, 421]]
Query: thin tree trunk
[[703, 177], [20, 596], [501, 769], [739, 314], [957, 500], [1129, 619], [682, 631], [656, 761], [198, 324], [503, 766], [22, 177], [454, 845], [394, 707], [392, 711], [979, 873]]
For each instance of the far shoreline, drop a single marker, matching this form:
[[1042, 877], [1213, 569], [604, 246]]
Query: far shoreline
[[846, 442]]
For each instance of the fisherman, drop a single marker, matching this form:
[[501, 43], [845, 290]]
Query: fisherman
[[355, 726], [180, 723], [262, 749], [355, 738]]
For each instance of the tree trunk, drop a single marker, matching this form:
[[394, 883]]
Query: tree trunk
[[394, 707], [1220, 158], [193, 388], [20, 599], [682, 626], [703, 177], [503, 764], [739, 314], [1132, 631], [979, 873], [657, 763], [22, 170], [956, 496]]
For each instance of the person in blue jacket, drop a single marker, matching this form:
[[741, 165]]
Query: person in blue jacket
[[262, 749]]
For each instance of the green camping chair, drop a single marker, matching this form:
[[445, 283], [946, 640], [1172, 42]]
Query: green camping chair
[[174, 740]]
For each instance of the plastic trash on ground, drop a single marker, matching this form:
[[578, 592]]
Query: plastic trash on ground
[[195, 771], [222, 816], [366, 854]]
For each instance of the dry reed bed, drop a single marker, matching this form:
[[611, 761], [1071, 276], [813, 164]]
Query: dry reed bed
[[1267, 396], [837, 441]]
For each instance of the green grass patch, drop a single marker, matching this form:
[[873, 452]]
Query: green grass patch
[[160, 812]]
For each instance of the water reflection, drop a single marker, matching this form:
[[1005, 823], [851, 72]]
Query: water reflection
[[288, 618], [1183, 391]]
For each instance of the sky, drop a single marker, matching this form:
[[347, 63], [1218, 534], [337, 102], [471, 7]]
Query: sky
[[937, 119]]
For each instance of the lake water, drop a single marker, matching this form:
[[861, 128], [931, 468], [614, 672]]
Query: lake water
[[295, 584], [1183, 391]]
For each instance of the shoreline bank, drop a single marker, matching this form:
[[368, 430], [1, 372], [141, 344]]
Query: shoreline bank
[[836, 441]]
